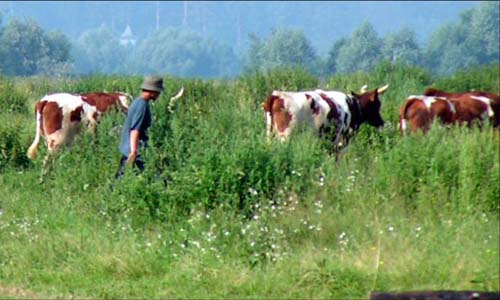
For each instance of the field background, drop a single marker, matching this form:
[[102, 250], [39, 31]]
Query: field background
[[242, 217]]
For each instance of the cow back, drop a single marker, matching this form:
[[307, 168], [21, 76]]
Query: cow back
[[105, 101], [414, 115], [469, 109]]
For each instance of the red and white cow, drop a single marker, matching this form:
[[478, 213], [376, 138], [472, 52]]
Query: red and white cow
[[329, 113], [60, 116], [418, 113], [104, 102], [472, 106]]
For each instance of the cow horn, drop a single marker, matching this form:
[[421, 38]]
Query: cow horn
[[382, 89], [179, 94], [363, 89]]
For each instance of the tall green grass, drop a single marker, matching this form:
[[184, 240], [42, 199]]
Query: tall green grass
[[220, 212]]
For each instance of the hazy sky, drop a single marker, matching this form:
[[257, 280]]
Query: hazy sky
[[323, 22]]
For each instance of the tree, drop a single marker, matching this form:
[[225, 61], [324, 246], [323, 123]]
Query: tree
[[25, 49], [331, 62], [402, 47], [484, 31], [283, 48], [98, 50], [361, 52], [58, 62], [474, 40], [184, 53]]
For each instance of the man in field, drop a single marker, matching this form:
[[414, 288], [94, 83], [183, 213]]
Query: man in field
[[135, 130]]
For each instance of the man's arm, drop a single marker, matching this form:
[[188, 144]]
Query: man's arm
[[134, 145]]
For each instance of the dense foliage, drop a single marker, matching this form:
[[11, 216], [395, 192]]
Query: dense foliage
[[283, 48], [471, 41], [25, 49], [221, 212]]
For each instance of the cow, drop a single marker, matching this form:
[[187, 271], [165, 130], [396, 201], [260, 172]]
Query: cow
[[418, 113], [331, 114], [58, 119], [59, 116], [474, 109], [474, 105], [105, 101]]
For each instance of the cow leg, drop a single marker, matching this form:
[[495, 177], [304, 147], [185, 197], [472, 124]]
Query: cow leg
[[92, 127], [48, 161], [47, 166]]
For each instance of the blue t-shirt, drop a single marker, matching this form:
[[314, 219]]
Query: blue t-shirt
[[138, 118]]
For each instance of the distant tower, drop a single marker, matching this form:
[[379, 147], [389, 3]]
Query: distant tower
[[184, 18], [127, 38], [11, 8], [157, 15]]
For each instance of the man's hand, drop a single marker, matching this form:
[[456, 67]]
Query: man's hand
[[131, 158]]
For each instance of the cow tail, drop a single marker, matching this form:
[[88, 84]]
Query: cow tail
[[402, 116], [172, 101], [38, 115]]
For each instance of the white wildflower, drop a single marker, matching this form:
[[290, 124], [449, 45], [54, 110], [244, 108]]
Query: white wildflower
[[252, 191]]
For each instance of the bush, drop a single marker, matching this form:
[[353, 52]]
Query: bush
[[11, 99], [484, 78], [12, 152], [260, 84]]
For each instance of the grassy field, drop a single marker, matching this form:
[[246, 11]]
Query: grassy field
[[242, 217]]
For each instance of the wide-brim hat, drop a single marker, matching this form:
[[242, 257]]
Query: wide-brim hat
[[152, 83]]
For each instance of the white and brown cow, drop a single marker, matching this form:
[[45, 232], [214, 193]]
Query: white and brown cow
[[103, 102], [418, 113], [473, 106], [329, 113], [59, 117]]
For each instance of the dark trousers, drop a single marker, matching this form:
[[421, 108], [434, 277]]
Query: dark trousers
[[138, 163]]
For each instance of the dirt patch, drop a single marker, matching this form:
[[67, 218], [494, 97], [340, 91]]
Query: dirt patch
[[21, 293], [16, 292]]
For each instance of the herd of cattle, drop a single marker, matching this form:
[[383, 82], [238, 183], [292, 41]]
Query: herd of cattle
[[339, 115], [332, 114]]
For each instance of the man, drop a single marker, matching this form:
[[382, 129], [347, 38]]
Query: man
[[135, 130]]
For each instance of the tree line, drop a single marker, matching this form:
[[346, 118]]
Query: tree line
[[26, 49]]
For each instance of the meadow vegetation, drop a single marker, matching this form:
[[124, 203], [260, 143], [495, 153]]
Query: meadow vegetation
[[222, 213]]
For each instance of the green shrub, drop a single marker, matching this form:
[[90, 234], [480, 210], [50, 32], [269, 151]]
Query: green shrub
[[12, 100], [259, 85], [12, 151], [483, 78]]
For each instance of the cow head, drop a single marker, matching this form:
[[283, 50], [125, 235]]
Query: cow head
[[125, 100], [369, 103]]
